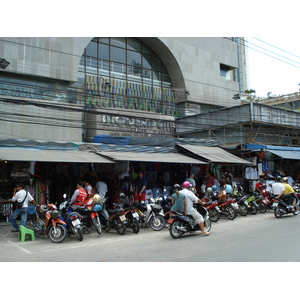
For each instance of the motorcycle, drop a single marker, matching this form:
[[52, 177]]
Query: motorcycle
[[281, 208], [46, 221], [152, 214], [227, 206], [252, 204], [113, 218], [132, 217], [90, 213], [181, 224], [73, 220], [212, 208]]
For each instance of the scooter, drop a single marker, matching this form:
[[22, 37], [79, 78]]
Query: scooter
[[181, 224], [281, 208], [73, 220], [46, 221], [152, 214]]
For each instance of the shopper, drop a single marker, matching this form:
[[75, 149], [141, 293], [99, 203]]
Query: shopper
[[21, 197], [140, 188]]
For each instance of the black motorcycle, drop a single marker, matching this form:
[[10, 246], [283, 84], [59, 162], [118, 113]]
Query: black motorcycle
[[181, 224], [282, 208]]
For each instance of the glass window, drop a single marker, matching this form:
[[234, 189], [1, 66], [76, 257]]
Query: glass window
[[91, 49], [134, 44], [134, 58], [132, 69], [117, 54], [103, 51], [119, 42]]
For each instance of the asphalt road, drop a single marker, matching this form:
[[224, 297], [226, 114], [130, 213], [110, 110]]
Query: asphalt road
[[254, 238]]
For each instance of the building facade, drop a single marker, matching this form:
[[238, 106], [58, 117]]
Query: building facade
[[73, 89]]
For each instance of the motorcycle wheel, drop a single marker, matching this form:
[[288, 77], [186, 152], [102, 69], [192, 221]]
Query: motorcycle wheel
[[157, 223], [135, 225], [253, 209], [277, 212], [262, 208], [207, 224], [175, 234], [230, 212], [297, 207], [120, 227], [57, 233], [214, 214], [97, 224], [78, 233], [243, 209]]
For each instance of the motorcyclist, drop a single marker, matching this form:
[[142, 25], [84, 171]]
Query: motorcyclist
[[178, 200], [289, 195], [191, 198]]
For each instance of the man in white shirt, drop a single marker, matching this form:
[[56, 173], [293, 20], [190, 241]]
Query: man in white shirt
[[22, 198], [189, 208], [101, 189], [277, 187]]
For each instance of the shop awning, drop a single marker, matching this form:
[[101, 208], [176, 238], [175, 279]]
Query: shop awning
[[31, 154], [213, 154], [151, 157], [286, 154]]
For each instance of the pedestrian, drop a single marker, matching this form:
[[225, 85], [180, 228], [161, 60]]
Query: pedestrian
[[101, 188], [21, 197], [210, 180], [89, 189], [178, 200], [140, 188], [192, 181], [79, 197]]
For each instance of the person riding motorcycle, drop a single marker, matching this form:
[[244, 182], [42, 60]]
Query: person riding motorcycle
[[178, 199], [191, 198], [289, 195]]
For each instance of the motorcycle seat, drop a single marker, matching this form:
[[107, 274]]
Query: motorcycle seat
[[113, 211], [207, 203]]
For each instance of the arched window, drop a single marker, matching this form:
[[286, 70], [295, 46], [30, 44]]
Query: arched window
[[125, 73]]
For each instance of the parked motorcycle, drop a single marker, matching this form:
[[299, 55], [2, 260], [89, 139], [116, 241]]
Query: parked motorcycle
[[151, 214], [90, 213], [252, 204], [46, 221], [281, 208], [212, 208], [130, 211], [73, 220], [181, 224], [227, 208], [112, 218]]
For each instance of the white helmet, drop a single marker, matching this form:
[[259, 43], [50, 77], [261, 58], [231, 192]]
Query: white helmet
[[209, 190]]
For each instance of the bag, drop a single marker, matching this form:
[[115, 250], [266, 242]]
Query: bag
[[20, 204]]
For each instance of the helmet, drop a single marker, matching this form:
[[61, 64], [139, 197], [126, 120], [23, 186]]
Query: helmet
[[214, 188], [278, 178], [96, 198], [209, 190], [176, 187], [285, 179], [186, 185]]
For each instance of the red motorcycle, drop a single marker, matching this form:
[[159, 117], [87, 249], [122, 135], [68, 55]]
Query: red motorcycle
[[227, 207], [46, 221], [213, 209]]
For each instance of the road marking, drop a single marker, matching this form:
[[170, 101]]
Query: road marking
[[21, 248]]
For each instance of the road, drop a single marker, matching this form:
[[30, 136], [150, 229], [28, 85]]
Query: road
[[254, 238]]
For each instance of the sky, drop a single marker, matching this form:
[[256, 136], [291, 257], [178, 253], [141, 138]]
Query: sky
[[273, 65]]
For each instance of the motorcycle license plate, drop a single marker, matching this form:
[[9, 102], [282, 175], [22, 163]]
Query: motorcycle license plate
[[122, 218], [135, 215], [170, 221], [75, 222]]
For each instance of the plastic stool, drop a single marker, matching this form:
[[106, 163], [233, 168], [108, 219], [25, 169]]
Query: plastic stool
[[24, 231]]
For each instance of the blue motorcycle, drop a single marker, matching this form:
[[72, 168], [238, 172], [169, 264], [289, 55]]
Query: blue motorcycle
[[73, 220]]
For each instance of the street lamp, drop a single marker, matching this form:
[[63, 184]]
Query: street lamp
[[3, 63]]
